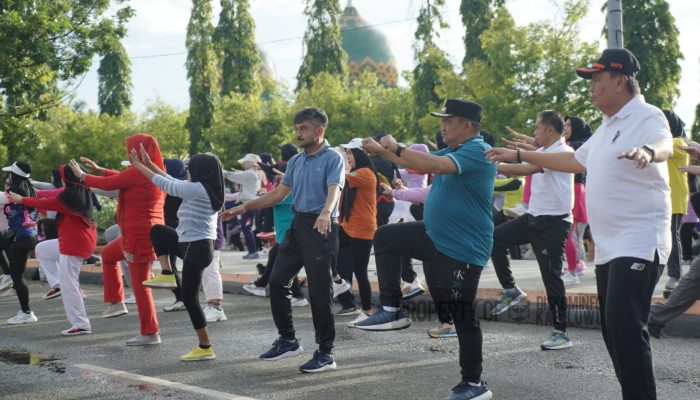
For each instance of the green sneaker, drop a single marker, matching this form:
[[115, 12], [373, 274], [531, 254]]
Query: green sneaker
[[557, 341]]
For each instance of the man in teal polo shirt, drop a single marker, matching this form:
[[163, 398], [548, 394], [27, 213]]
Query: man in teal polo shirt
[[454, 240]]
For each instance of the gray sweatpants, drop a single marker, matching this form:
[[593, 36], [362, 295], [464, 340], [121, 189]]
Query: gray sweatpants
[[681, 299]]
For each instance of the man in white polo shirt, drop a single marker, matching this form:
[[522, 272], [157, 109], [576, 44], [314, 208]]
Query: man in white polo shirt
[[629, 210], [546, 225]]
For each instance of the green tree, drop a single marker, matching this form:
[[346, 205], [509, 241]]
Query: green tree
[[167, 125], [364, 108], [651, 34], [322, 42], [114, 74], [430, 64], [245, 123], [44, 41], [202, 74], [526, 70], [67, 133], [695, 129], [476, 17], [234, 39]]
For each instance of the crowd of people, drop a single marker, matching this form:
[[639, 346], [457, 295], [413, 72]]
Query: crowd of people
[[628, 188]]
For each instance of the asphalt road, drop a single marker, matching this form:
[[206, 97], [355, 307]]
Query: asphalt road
[[390, 365]]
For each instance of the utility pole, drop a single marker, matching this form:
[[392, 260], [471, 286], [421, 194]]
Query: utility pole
[[615, 37]]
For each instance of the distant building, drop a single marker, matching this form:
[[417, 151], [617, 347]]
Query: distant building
[[367, 48]]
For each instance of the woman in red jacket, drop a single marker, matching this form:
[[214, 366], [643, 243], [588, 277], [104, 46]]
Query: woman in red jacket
[[139, 207], [76, 242]]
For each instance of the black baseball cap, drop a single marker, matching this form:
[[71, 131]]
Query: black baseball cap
[[460, 108], [615, 60]]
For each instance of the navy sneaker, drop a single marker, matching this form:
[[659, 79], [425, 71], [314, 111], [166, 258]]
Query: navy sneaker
[[282, 348], [383, 320], [320, 362], [465, 391]]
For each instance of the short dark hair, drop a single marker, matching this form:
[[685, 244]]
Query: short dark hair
[[632, 83], [313, 114], [553, 119], [475, 124]]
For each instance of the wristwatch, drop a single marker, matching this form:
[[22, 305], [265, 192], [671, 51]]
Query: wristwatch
[[650, 150], [399, 149]]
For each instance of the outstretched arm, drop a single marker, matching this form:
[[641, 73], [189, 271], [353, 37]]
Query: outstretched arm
[[266, 201], [409, 159], [561, 161]]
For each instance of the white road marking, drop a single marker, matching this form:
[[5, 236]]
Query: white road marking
[[162, 382]]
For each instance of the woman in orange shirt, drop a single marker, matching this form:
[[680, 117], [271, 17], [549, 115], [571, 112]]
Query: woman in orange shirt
[[358, 222]]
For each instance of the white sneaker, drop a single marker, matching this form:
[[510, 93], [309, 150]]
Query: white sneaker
[[22, 318], [176, 306], [516, 211], [672, 283], [529, 255], [130, 300], [5, 282], [570, 279], [213, 314], [254, 290], [114, 310], [300, 302], [339, 288], [443, 330], [361, 317], [413, 289]]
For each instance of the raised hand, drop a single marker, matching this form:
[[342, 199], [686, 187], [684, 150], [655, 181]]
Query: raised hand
[[693, 150], [386, 189], [640, 157], [691, 169], [145, 157], [520, 136], [499, 154], [89, 164], [398, 184], [519, 144], [371, 146], [15, 197], [75, 167], [389, 143], [232, 213], [135, 160]]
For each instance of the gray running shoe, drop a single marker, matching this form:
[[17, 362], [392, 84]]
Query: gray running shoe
[[509, 297], [144, 340], [557, 341]]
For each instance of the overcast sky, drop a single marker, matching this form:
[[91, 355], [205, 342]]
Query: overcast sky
[[159, 27]]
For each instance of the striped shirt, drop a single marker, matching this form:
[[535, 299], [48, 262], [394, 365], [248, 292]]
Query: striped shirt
[[197, 218]]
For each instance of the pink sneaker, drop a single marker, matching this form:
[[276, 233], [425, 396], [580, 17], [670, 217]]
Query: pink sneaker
[[580, 267]]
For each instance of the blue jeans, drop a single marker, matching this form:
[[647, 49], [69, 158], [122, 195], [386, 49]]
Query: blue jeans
[[247, 223]]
